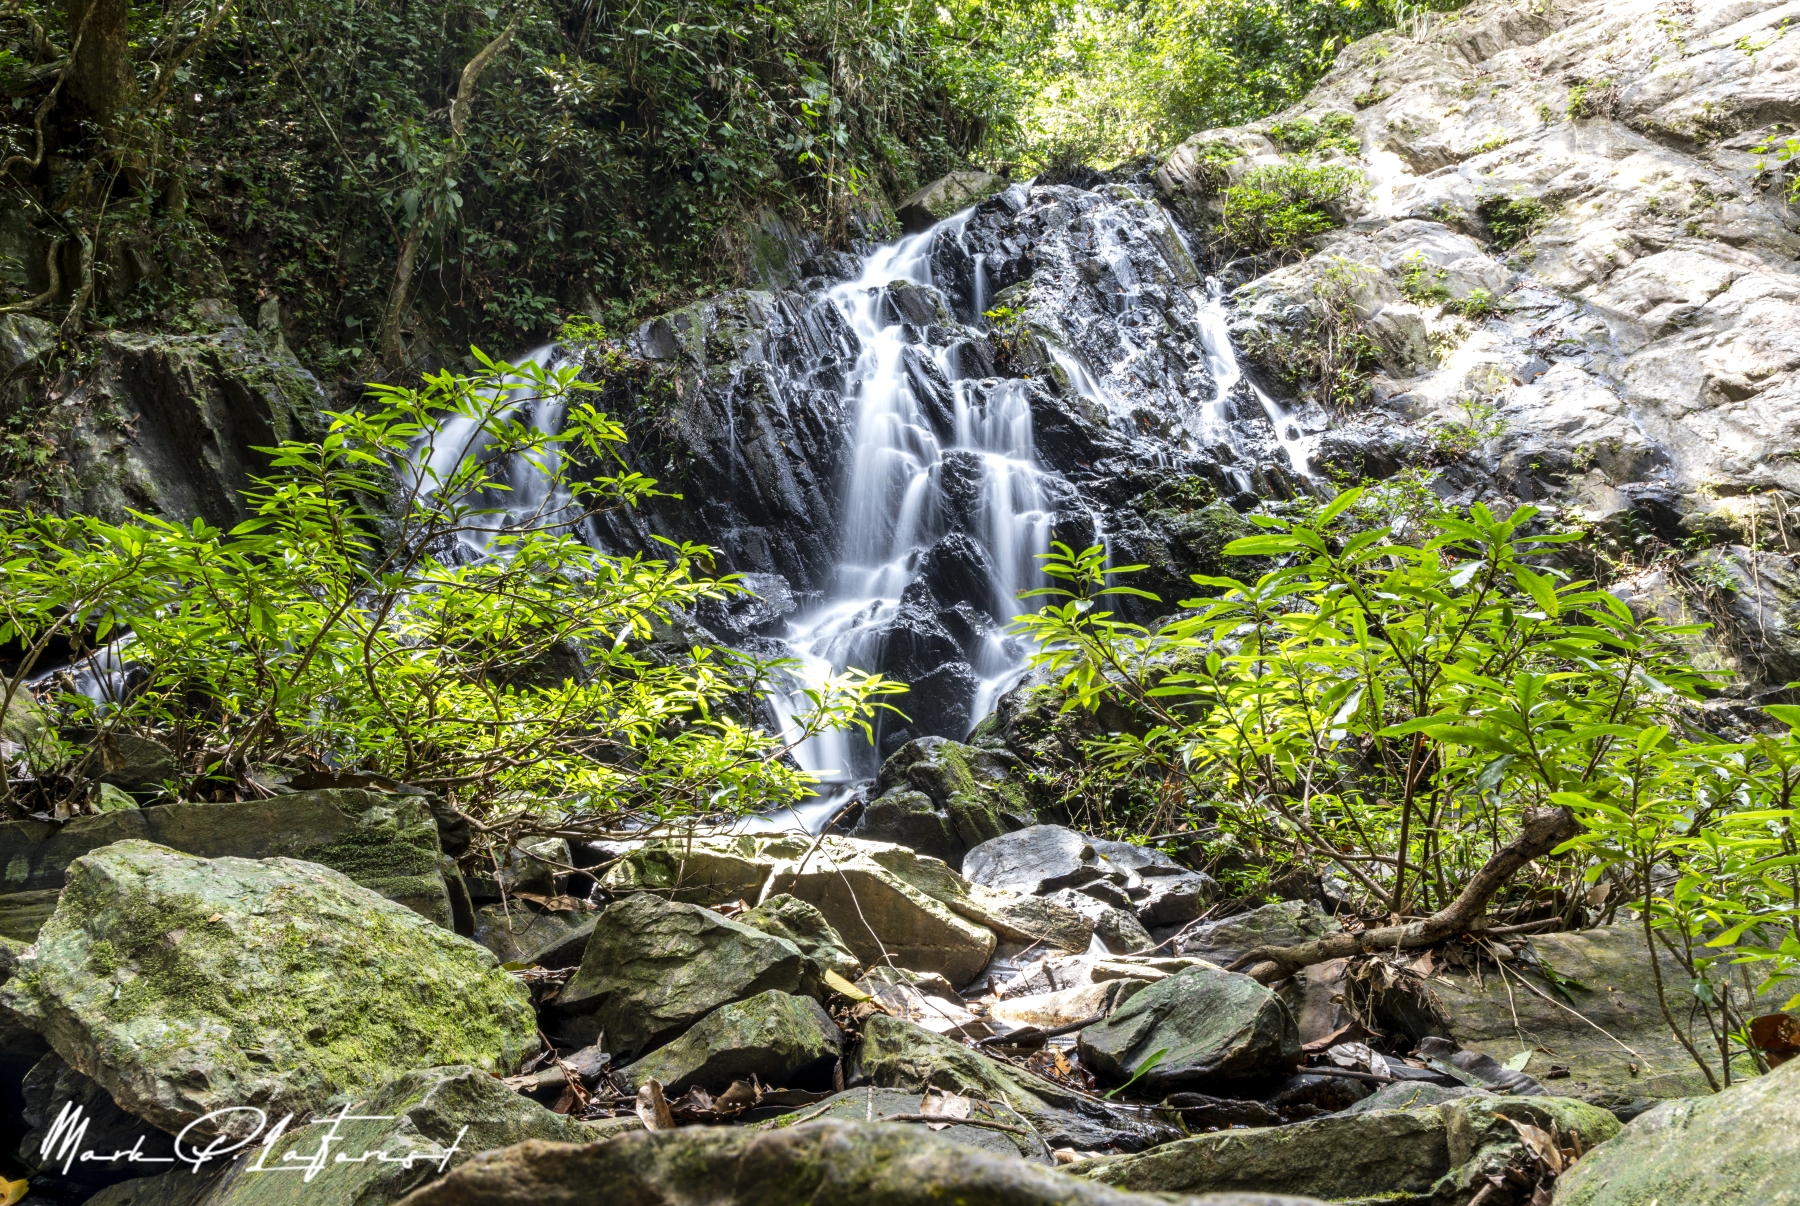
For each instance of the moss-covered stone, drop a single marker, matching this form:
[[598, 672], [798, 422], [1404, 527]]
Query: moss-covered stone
[[803, 925], [388, 844], [945, 196], [1397, 1155], [872, 1105], [704, 871], [184, 985], [1209, 1023], [900, 1055], [778, 1038], [815, 1163], [890, 902], [1740, 1146], [943, 798], [655, 967]]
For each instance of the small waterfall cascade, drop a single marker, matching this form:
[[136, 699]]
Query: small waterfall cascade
[[527, 497], [1222, 358], [892, 492]]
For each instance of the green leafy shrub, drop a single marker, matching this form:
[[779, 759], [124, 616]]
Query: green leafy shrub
[[1477, 303], [1278, 206], [1396, 709], [1510, 220], [1333, 132], [1421, 281], [344, 626]]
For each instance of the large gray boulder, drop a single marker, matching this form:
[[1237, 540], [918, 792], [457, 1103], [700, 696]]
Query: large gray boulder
[[387, 843], [890, 903], [1163, 892], [779, 1039], [1742, 1145], [654, 967], [186, 985], [1037, 860], [822, 1163], [705, 871], [1212, 1024], [1116, 926], [1617, 1048]]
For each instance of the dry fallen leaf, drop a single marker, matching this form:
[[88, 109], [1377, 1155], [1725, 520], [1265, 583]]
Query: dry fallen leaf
[[1539, 1143], [946, 1105], [653, 1108]]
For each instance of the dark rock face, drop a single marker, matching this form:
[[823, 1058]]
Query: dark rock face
[[1211, 1025], [754, 429], [777, 1038]]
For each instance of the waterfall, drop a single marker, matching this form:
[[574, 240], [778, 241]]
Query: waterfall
[[891, 499]]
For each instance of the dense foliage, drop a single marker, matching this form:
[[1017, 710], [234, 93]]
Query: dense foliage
[[345, 630], [606, 159], [1392, 708]]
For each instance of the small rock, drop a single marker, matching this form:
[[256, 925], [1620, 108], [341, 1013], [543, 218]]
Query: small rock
[[185, 985], [781, 1040], [654, 967], [945, 196], [1411, 1095], [1047, 1010], [1213, 1025], [519, 933], [899, 1055], [788, 917], [1119, 928]]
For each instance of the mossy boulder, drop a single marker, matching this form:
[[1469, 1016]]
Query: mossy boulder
[[439, 1117], [896, 1054], [703, 871], [387, 843], [888, 901], [184, 985], [1439, 1153], [1739, 1146], [654, 967], [873, 1105], [943, 798], [1210, 1024], [788, 917], [820, 1163], [778, 1038], [1396, 1155]]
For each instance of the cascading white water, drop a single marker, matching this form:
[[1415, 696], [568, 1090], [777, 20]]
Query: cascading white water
[[891, 493], [526, 497], [1222, 358]]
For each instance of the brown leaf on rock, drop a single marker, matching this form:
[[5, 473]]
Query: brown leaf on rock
[[944, 1105], [653, 1108], [1777, 1035]]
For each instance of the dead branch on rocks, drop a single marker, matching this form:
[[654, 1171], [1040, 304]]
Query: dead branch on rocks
[[1544, 829]]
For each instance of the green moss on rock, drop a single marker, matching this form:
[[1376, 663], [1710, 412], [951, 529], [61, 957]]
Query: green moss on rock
[[185, 984]]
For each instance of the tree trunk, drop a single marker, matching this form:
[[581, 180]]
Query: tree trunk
[[102, 78]]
